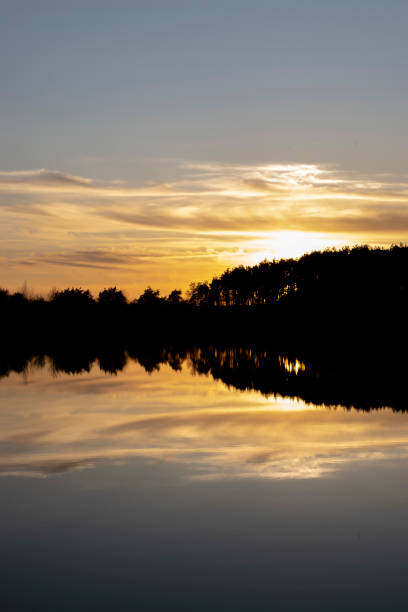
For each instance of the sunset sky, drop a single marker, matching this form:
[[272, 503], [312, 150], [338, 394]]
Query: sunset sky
[[160, 141]]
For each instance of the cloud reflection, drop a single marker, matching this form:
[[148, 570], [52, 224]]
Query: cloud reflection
[[54, 425]]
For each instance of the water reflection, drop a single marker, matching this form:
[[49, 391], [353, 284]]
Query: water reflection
[[186, 408], [348, 377]]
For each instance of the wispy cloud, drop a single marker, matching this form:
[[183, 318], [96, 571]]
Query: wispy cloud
[[44, 178], [212, 214]]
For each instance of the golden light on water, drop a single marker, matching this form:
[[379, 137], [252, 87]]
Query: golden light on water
[[208, 430], [292, 366]]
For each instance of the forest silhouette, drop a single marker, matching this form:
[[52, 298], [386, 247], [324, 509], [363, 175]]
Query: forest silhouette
[[329, 328], [359, 291], [357, 295], [331, 286]]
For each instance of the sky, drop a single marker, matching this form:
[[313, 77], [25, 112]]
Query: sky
[[159, 142]]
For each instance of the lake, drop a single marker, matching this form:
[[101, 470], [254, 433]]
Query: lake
[[166, 487]]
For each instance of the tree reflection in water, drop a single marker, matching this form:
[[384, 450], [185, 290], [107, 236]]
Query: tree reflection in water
[[346, 377]]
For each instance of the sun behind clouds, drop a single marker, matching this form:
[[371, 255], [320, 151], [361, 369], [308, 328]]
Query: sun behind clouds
[[60, 229]]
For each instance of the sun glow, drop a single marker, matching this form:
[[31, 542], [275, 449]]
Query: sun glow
[[292, 244], [190, 228]]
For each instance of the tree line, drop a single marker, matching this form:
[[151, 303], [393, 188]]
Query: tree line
[[348, 296], [357, 274], [82, 298]]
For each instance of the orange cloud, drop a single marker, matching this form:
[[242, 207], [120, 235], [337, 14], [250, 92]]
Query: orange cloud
[[214, 216]]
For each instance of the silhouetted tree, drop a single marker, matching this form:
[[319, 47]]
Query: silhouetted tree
[[111, 297], [199, 294], [150, 297], [72, 298], [175, 297]]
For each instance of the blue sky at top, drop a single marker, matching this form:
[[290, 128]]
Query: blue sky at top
[[141, 93]]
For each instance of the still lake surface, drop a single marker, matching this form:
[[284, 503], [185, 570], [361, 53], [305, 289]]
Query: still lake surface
[[171, 491]]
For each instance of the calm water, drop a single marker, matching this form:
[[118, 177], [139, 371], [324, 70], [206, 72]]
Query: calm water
[[171, 491]]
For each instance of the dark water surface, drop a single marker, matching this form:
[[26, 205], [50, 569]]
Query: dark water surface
[[171, 491]]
